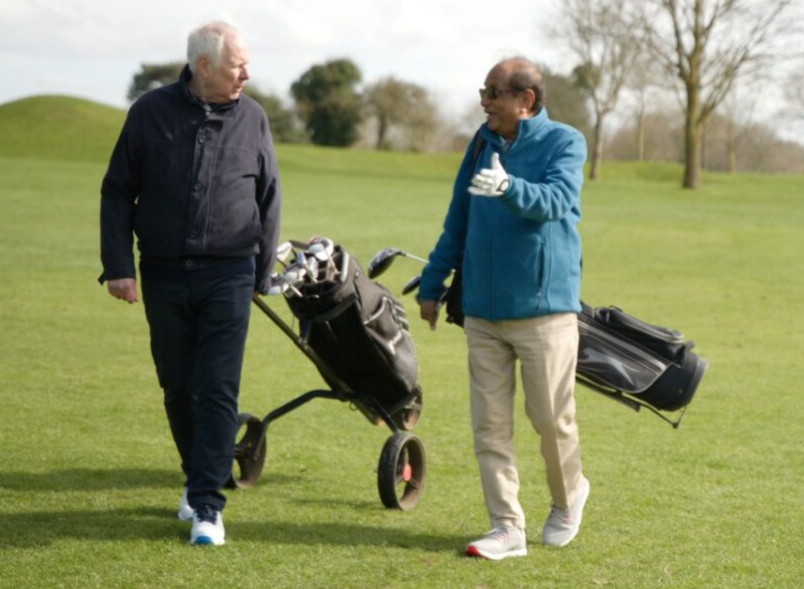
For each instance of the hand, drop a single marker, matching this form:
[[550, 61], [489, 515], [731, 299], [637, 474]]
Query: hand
[[491, 181], [428, 310], [124, 289]]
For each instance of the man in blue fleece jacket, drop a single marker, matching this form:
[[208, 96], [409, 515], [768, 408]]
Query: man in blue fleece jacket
[[512, 221]]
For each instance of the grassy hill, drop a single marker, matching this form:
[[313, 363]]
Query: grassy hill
[[59, 128]]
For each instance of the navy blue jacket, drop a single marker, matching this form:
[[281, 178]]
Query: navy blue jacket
[[522, 251], [198, 186]]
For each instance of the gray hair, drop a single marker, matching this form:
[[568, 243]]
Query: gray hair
[[207, 41]]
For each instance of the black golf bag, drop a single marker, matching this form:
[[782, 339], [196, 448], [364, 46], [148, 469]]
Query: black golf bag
[[362, 334], [637, 363]]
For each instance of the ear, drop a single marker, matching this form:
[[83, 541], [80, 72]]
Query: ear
[[527, 99], [202, 66]]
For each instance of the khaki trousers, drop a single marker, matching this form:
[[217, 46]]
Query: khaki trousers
[[547, 349]]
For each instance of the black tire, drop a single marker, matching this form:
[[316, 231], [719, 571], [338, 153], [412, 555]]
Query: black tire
[[250, 453], [400, 475], [408, 417]]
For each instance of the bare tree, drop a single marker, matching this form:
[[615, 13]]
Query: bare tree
[[600, 34], [707, 44], [646, 85], [738, 117]]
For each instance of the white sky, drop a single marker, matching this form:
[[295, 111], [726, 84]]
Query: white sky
[[91, 48]]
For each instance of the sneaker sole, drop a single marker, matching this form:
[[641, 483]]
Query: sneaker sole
[[474, 552], [206, 541]]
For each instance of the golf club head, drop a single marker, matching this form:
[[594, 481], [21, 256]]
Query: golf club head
[[294, 275], [382, 260], [412, 285], [311, 264], [277, 289], [283, 252], [278, 285]]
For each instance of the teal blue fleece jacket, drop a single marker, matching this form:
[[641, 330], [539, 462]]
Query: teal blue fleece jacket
[[521, 251]]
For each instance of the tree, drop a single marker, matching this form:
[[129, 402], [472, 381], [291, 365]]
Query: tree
[[707, 44], [284, 126], [404, 107], [328, 103], [153, 75], [645, 83], [601, 35], [565, 101], [733, 122]]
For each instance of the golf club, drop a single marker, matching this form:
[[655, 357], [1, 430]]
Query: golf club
[[412, 285], [384, 258]]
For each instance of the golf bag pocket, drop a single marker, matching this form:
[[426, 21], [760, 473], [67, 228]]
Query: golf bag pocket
[[388, 328]]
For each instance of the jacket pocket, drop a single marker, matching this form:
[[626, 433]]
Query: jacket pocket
[[540, 272]]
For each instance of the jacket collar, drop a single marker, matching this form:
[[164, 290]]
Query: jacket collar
[[184, 84], [527, 128]]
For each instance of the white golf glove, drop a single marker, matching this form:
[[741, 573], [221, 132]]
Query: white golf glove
[[491, 181]]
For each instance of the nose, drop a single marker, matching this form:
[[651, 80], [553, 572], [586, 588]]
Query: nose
[[244, 75], [484, 100]]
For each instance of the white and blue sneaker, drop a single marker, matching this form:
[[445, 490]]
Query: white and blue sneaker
[[185, 511], [207, 527]]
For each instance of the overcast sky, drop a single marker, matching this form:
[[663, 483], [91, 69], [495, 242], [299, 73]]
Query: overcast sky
[[91, 48]]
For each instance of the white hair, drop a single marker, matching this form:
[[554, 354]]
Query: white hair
[[207, 41]]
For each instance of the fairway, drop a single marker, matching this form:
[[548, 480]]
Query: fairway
[[90, 479]]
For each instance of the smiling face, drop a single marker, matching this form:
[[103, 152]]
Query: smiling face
[[504, 106], [224, 83]]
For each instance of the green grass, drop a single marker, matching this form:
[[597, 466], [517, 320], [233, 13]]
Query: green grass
[[89, 478], [59, 127]]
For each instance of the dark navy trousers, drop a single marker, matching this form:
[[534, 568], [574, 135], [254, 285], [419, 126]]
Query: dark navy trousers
[[198, 335]]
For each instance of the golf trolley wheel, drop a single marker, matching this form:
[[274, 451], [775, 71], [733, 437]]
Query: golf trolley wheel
[[400, 475], [408, 417], [249, 456]]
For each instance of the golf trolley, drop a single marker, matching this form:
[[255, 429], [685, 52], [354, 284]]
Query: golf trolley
[[624, 358], [357, 336]]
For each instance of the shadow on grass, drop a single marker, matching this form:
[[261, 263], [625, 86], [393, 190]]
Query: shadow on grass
[[42, 528], [91, 479]]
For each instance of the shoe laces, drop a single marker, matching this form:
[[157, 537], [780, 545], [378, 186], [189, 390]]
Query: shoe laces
[[206, 513], [559, 515], [499, 534]]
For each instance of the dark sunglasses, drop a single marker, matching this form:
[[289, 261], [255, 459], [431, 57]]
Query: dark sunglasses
[[494, 93]]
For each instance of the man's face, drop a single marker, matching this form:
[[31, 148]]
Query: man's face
[[502, 105], [225, 81]]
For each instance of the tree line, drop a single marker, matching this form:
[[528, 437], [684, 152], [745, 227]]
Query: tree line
[[680, 64]]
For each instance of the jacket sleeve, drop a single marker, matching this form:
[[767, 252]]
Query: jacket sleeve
[[119, 191], [269, 202], [450, 246], [560, 191]]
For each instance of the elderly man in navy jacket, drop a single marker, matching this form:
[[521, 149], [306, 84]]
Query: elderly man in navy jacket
[[194, 177], [512, 221]]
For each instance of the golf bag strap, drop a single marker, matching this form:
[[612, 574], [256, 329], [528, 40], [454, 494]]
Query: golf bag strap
[[478, 145], [347, 302]]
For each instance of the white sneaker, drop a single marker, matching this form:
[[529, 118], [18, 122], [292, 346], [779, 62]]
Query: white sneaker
[[185, 511], [207, 527], [499, 543], [562, 525]]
